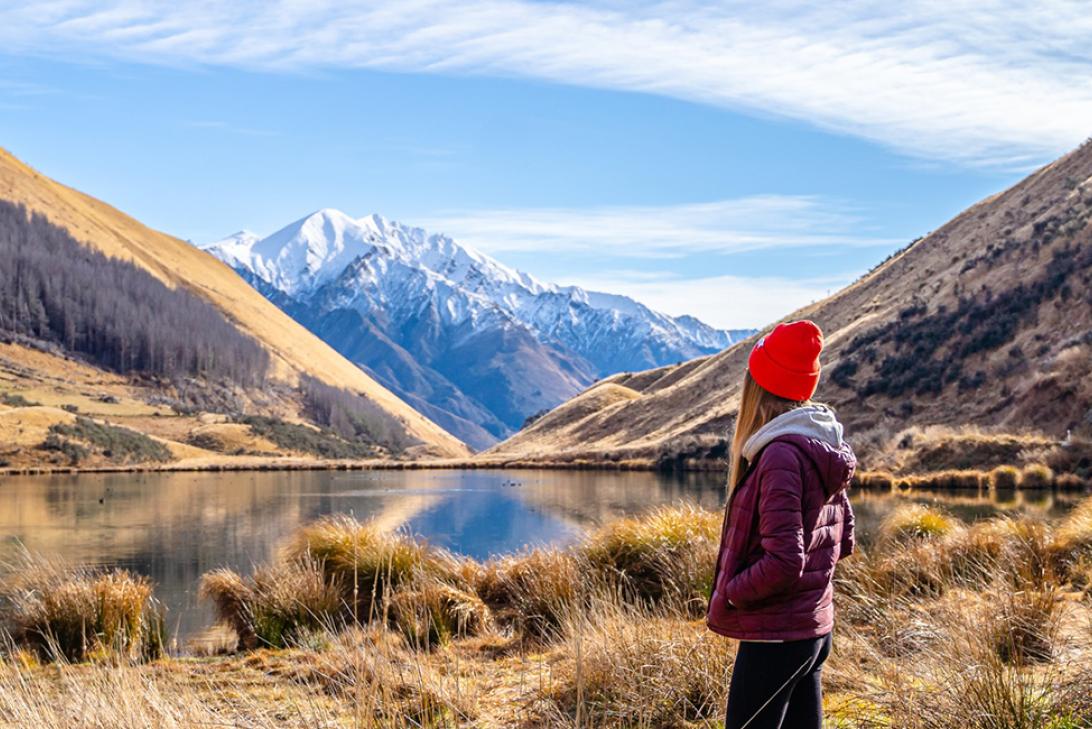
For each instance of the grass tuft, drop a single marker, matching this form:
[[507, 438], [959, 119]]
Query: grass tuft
[[532, 592], [75, 614], [1037, 476], [667, 554], [1005, 478], [1072, 542], [915, 522], [431, 612], [281, 605]]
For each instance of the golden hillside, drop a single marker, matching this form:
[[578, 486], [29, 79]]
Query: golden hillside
[[294, 350], [985, 322]]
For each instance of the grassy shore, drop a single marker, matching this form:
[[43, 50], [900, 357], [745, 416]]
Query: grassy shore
[[941, 624]]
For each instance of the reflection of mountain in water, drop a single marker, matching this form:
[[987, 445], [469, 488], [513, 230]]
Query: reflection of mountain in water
[[483, 523]]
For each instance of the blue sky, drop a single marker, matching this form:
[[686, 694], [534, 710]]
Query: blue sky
[[722, 160]]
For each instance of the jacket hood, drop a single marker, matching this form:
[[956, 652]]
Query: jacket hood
[[817, 432]]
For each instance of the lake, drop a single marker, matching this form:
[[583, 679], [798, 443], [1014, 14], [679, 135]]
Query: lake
[[173, 527]]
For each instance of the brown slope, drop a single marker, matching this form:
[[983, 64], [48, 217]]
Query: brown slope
[[294, 349], [987, 321]]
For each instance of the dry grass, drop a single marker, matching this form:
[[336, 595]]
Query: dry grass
[[533, 592], [668, 554], [629, 668], [965, 625], [1014, 549], [431, 612], [367, 562], [76, 614], [279, 605], [1072, 543], [1005, 477], [1037, 476], [914, 522]]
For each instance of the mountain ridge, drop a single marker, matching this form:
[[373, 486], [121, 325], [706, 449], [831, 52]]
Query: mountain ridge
[[987, 321], [522, 345]]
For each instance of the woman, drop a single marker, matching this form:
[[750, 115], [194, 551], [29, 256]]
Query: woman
[[787, 523]]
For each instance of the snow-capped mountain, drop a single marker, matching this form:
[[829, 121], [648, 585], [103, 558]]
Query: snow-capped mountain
[[474, 344]]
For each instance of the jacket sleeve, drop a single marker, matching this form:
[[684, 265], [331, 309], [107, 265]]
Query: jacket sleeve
[[849, 539], [780, 527]]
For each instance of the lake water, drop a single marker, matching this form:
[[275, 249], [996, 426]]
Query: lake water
[[173, 527]]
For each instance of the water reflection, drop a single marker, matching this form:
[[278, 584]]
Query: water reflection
[[173, 527]]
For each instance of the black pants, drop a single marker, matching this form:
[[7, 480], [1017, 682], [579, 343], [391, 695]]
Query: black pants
[[777, 685]]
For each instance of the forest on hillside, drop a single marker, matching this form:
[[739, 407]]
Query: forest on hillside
[[54, 289]]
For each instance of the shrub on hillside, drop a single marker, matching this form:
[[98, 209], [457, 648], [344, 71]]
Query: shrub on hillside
[[15, 400], [296, 437], [120, 445]]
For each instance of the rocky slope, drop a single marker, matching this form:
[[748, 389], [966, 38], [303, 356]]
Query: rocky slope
[[470, 342], [986, 322]]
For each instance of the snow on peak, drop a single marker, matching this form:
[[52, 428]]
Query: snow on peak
[[402, 267]]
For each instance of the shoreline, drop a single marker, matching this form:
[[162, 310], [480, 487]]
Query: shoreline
[[864, 480], [378, 465]]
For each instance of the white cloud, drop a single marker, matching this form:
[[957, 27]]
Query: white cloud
[[728, 302], [999, 82], [661, 231]]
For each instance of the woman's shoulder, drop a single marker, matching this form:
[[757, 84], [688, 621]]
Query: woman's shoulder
[[779, 453]]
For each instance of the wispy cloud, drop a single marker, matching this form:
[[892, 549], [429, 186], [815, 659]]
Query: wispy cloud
[[663, 231], [999, 82], [729, 302]]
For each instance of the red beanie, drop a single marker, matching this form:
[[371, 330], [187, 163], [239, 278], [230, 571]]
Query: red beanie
[[786, 361]]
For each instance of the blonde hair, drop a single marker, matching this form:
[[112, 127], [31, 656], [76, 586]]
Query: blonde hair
[[757, 406]]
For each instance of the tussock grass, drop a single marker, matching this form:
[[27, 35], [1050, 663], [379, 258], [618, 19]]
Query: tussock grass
[[633, 668], [944, 480], [336, 572], [77, 614], [1023, 630], [1017, 550], [915, 522], [667, 554], [430, 612], [1005, 478], [964, 626], [389, 686], [367, 563], [1072, 543], [977, 676], [1037, 476], [279, 605], [533, 592], [879, 480]]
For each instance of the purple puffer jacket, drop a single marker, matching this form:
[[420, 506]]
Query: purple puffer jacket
[[785, 528]]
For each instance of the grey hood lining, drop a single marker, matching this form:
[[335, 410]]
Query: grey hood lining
[[810, 421]]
